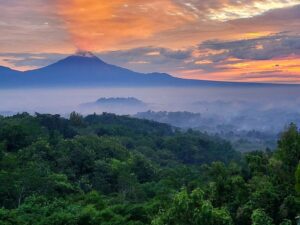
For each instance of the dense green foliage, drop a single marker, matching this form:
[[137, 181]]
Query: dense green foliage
[[116, 170]]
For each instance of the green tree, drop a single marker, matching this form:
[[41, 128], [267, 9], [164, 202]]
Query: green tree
[[289, 148], [192, 209], [286, 222], [297, 175], [76, 119], [259, 217], [264, 195]]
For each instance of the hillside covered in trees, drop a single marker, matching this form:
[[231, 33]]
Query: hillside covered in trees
[[116, 170]]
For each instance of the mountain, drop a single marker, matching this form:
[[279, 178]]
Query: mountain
[[86, 70]]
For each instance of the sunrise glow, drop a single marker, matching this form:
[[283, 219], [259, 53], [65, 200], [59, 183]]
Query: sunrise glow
[[243, 41]]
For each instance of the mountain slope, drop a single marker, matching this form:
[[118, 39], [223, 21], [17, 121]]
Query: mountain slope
[[79, 70], [86, 70], [6, 70], [9, 77], [82, 70]]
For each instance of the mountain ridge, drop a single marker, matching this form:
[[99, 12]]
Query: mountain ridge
[[84, 69]]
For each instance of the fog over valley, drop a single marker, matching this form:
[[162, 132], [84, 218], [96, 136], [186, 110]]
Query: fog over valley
[[215, 110]]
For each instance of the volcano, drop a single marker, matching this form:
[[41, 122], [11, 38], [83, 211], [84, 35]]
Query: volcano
[[84, 69]]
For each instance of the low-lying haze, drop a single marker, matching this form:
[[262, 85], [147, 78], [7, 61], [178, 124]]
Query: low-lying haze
[[259, 108]]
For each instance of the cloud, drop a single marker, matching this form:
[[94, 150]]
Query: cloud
[[223, 10], [27, 61], [62, 25], [276, 20], [95, 24], [267, 76], [105, 25], [263, 48], [154, 58], [31, 26]]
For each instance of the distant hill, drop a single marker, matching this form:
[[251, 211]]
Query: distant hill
[[128, 101], [86, 70], [116, 101], [116, 105]]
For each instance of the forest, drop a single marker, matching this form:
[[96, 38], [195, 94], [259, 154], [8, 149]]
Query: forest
[[117, 170]]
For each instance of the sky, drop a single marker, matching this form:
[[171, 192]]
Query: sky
[[226, 40]]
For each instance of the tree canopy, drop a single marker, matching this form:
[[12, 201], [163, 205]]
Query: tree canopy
[[116, 170]]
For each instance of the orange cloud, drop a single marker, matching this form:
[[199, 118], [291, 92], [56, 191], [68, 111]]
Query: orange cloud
[[101, 24], [284, 70]]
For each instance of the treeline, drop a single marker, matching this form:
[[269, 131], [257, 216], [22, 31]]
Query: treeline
[[116, 170]]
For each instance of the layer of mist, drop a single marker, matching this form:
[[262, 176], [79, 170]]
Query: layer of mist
[[215, 110]]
